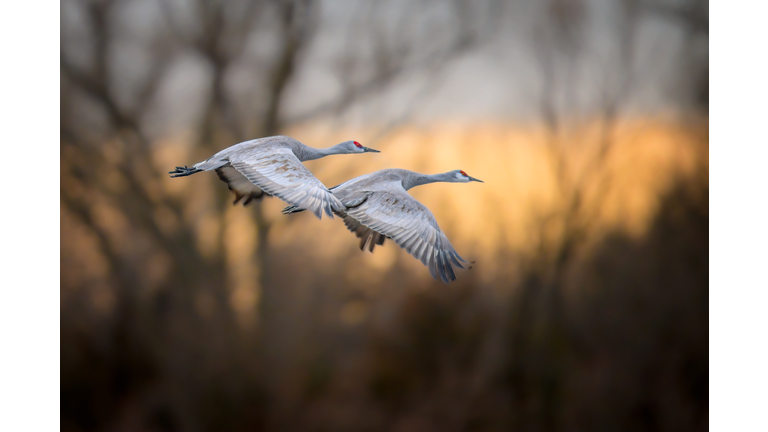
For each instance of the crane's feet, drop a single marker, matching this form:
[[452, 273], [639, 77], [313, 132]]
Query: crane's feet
[[183, 171], [292, 209]]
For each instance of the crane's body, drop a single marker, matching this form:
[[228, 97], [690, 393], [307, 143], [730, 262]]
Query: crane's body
[[272, 166], [377, 206]]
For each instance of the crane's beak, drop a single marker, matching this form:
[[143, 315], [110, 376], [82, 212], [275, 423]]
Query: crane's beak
[[474, 179], [368, 149]]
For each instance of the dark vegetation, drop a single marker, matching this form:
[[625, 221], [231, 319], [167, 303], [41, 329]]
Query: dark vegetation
[[626, 349]]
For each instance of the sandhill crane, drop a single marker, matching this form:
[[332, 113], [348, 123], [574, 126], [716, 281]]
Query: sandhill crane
[[272, 166], [378, 206]]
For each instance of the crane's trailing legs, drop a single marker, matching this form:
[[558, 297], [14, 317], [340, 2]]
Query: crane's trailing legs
[[292, 209], [183, 171]]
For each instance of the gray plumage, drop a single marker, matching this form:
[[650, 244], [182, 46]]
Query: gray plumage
[[272, 166], [377, 206]]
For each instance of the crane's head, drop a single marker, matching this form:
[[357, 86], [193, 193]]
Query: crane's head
[[460, 176], [354, 147]]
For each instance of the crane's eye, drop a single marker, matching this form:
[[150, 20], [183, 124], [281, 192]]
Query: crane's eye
[[463, 173], [358, 144]]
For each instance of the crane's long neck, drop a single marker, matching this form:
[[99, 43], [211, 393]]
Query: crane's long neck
[[422, 179], [307, 153]]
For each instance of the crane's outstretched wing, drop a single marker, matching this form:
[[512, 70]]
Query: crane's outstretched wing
[[397, 215], [278, 172]]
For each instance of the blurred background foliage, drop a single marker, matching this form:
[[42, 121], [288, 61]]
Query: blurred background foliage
[[586, 309]]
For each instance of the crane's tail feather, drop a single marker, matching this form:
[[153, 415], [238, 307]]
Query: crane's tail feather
[[183, 171]]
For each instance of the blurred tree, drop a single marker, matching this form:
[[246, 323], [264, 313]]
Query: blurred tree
[[569, 113]]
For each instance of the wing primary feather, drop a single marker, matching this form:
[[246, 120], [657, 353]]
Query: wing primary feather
[[441, 267], [448, 268], [431, 264], [452, 254]]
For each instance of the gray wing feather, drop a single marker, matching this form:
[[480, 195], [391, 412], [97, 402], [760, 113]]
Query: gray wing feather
[[411, 225], [278, 172]]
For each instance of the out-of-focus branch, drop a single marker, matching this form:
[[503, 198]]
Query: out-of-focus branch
[[436, 78], [95, 87], [81, 212], [295, 29], [221, 36], [384, 77], [395, 58], [694, 13], [136, 198]]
